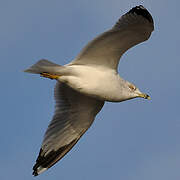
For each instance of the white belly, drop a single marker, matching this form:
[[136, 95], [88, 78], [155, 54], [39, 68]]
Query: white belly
[[96, 82]]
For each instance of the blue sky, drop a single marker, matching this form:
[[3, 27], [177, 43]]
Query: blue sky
[[136, 139]]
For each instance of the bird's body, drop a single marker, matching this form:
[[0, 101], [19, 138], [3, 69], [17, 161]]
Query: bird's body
[[87, 82], [94, 84]]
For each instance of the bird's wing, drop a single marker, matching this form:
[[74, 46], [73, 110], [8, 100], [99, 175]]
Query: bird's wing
[[105, 50], [74, 114]]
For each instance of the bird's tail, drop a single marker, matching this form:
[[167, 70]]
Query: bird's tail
[[44, 66]]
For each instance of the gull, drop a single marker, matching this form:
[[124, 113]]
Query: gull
[[87, 82]]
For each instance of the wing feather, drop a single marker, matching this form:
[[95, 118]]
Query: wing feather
[[105, 50], [74, 114]]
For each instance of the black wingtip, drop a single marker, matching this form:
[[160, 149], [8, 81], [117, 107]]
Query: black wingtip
[[35, 173], [141, 10], [45, 162], [35, 167]]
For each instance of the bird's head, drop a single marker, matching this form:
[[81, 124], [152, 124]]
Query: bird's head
[[134, 92]]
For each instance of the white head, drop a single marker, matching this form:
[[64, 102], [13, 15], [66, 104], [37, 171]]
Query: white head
[[130, 91]]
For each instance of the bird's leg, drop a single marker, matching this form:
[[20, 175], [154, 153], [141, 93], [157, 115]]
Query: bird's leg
[[48, 75]]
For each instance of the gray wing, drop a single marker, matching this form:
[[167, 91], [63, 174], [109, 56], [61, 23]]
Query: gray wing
[[74, 114], [105, 50]]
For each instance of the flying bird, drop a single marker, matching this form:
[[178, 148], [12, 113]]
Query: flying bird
[[87, 82]]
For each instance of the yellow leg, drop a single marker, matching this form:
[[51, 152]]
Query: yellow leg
[[50, 76]]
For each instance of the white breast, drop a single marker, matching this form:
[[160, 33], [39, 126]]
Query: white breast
[[98, 82]]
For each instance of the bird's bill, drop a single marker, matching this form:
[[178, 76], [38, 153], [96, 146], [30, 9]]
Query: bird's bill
[[145, 96]]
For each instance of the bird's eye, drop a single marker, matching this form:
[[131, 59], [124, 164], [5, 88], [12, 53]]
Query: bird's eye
[[132, 87]]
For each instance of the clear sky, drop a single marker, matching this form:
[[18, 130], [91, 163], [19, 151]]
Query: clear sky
[[136, 139]]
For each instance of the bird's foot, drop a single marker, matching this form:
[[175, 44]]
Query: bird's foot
[[50, 76]]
